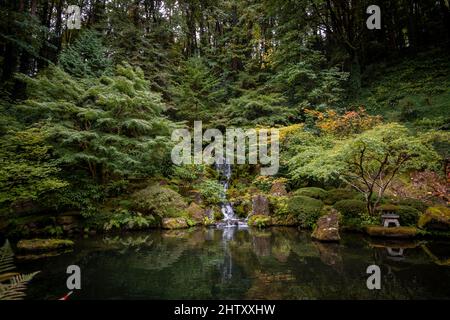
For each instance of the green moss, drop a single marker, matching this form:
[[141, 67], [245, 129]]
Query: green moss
[[312, 192], [306, 209], [394, 232], [437, 218], [335, 195], [43, 245], [259, 221], [415, 203]]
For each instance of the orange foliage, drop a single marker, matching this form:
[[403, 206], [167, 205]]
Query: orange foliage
[[345, 124]]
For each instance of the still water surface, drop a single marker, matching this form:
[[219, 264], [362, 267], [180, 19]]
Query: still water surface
[[277, 263]]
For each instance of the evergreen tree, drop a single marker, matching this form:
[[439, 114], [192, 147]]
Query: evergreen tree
[[109, 126], [87, 57]]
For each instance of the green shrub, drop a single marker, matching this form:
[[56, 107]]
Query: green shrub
[[211, 191], [128, 220], [187, 172], [335, 195], [312, 192], [158, 200], [259, 221], [408, 216], [351, 208], [415, 203], [242, 208], [354, 214], [263, 183], [306, 209], [279, 205]]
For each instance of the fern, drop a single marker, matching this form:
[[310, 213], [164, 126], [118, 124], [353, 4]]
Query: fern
[[12, 284]]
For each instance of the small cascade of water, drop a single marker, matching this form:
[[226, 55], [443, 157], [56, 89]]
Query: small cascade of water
[[229, 217]]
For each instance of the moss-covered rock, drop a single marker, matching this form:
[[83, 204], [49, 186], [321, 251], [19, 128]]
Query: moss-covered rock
[[260, 221], [335, 195], [260, 205], [306, 209], [159, 200], [174, 223], [196, 213], [39, 245], [327, 228], [312, 192], [435, 218], [394, 232]]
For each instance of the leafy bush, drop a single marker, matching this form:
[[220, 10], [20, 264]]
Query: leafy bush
[[128, 220], [27, 170], [312, 192], [263, 183], [116, 188], [415, 203], [408, 215], [351, 208], [211, 191], [335, 195], [306, 209], [279, 205], [354, 213], [348, 123], [84, 196], [259, 221], [187, 172], [160, 201]]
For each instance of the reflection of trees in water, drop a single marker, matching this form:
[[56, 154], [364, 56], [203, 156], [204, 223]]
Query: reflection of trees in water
[[276, 263]]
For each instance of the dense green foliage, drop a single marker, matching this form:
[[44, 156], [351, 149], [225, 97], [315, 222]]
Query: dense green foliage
[[86, 115], [312, 192], [306, 209]]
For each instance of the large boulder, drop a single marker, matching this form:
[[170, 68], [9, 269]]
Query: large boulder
[[196, 213], [327, 228], [39, 245], [260, 205], [435, 218], [174, 223]]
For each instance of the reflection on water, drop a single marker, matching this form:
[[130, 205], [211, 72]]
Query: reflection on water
[[232, 263]]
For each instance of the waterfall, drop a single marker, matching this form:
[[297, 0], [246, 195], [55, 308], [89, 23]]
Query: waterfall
[[225, 176], [229, 217]]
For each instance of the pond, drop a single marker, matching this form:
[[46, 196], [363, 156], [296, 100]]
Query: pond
[[276, 263]]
